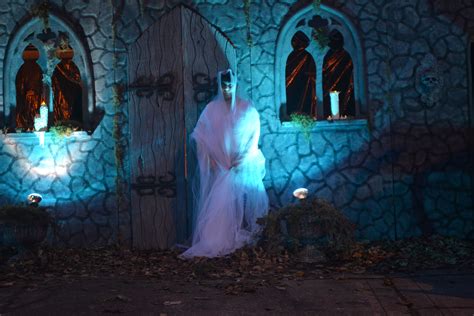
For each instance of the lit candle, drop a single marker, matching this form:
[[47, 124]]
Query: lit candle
[[334, 104], [41, 121]]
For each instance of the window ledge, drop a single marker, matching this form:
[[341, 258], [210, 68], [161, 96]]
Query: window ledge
[[337, 125], [47, 135]]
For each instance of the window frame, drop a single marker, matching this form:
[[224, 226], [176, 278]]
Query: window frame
[[352, 45], [18, 41]]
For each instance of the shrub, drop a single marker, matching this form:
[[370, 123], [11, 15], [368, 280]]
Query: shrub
[[23, 214], [309, 222]]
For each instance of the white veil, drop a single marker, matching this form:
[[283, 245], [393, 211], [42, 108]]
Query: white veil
[[231, 194]]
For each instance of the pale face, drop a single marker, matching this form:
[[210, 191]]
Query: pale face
[[227, 90]]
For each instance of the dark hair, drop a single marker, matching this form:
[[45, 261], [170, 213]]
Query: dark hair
[[226, 77]]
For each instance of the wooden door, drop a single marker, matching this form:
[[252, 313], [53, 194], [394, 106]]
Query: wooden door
[[172, 68]]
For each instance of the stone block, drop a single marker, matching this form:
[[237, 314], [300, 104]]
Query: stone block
[[88, 146], [367, 25], [77, 168], [43, 185], [80, 211], [343, 155], [89, 25], [99, 218], [334, 180], [95, 169], [403, 67], [60, 190], [5, 162], [419, 46], [315, 173], [20, 167], [277, 169], [130, 33], [64, 209], [411, 17], [440, 48]]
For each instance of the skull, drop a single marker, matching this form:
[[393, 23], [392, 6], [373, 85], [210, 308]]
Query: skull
[[430, 81]]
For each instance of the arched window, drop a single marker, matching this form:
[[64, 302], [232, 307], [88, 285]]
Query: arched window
[[64, 61], [29, 89], [326, 41]]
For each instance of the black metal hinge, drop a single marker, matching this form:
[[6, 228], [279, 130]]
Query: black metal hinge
[[150, 185]]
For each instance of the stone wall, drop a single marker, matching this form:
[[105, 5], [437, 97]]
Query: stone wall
[[403, 170], [409, 171]]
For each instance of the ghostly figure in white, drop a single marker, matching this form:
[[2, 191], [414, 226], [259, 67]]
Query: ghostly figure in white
[[231, 195]]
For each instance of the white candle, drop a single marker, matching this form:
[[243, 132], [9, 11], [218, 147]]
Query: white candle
[[334, 104], [41, 122]]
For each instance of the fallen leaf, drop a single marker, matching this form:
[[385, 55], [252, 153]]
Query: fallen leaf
[[6, 284], [299, 274], [123, 298], [387, 282]]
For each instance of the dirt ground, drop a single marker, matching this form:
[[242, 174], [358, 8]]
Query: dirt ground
[[432, 276], [434, 293]]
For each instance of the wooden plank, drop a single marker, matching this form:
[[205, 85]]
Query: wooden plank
[[156, 131], [183, 44]]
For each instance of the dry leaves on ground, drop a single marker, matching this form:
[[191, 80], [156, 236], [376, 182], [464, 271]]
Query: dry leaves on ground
[[241, 272]]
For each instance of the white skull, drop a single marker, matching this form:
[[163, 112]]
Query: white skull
[[430, 81]]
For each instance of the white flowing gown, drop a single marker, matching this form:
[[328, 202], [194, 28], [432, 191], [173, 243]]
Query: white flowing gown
[[231, 194]]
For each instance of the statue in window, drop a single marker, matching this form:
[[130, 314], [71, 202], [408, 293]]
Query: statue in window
[[29, 88], [67, 89], [338, 75], [300, 78]]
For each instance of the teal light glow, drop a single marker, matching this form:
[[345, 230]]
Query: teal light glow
[[45, 167]]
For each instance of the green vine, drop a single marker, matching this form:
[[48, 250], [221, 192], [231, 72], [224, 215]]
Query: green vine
[[65, 128], [321, 37], [305, 123], [248, 22], [118, 90], [319, 34], [42, 12]]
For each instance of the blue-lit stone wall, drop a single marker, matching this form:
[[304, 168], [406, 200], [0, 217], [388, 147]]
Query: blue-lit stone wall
[[403, 169], [73, 174], [408, 170]]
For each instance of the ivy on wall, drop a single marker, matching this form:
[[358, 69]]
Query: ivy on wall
[[320, 31], [118, 99], [304, 122], [248, 22], [42, 11]]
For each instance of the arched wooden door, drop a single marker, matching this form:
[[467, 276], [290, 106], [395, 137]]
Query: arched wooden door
[[172, 68]]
